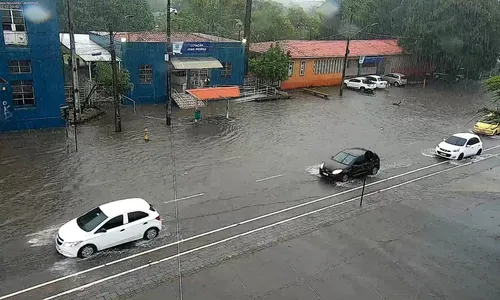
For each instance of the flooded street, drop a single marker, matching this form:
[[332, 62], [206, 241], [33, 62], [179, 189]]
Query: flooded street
[[263, 158]]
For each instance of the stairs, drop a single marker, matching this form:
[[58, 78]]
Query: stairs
[[186, 101]]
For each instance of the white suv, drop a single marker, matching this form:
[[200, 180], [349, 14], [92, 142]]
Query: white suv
[[108, 225], [360, 83]]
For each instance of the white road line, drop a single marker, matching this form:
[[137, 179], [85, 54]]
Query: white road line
[[230, 158], [154, 118], [185, 198], [221, 229], [258, 229], [270, 177]]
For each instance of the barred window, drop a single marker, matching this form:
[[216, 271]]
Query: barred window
[[19, 66], [227, 69], [12, 19], [145, 74], [291, 66], [302, 67], [22, 93]]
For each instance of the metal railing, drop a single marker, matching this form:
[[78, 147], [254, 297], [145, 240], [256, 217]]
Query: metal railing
[[129, 99]]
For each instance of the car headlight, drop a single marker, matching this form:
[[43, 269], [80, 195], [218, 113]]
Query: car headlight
[[72, 244], [336, 172]]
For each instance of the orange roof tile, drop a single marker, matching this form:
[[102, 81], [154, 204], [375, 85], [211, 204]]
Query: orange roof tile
[[153, 37], [215, 92], [303, 48]]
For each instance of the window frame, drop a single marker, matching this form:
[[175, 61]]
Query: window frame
[[138, 211], [19, 67], [12, 19], [111, 219], [291, 68], [227, 70], [302, 68], [23, 84], [146, 74]]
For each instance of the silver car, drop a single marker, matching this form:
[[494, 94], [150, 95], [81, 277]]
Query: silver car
[[396, 79]]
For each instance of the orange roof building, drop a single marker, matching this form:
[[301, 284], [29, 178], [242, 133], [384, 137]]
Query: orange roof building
[[319, 63]]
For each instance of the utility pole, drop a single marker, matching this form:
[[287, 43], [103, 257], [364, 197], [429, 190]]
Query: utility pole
[[344, 66], [246, 32], [116, 97], [74, 72], [168, 74]]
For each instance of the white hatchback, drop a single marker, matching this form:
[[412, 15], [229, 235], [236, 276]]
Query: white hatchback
[[108, 225], [459, 146], [379, 82]]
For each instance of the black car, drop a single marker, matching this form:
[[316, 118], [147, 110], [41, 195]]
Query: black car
[[349, 163]]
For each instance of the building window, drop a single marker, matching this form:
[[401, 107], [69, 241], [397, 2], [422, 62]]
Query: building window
[[291, 66], [19, 66], [145, 74], [22, 93], [226, 71], [302, 67], [13, 20]]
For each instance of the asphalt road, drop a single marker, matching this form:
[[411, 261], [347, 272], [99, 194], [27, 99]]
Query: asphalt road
[[263, 160]]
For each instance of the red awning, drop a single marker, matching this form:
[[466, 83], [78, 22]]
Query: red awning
[[215, 93]]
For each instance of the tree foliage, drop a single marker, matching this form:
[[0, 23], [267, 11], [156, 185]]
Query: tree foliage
[[271, 66], [104, 76], [106, 15], [493, 85]]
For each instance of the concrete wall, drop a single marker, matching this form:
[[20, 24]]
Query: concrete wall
[[44, 52]]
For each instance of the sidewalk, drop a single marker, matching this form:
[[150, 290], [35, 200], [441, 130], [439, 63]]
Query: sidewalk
[[438, 243]]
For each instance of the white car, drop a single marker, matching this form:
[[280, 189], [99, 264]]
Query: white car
[[360, 83], [379, 82], [108, 225], [459, 146]]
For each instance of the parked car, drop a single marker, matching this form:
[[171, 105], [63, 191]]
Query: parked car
[[378, 80], [360, 83], [350, 163], [396, 79], [108, 225], [447, 77], [488, 125], [459, 146]]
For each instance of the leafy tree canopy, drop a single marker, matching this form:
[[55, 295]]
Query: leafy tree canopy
[[104, 76], [272, 66]]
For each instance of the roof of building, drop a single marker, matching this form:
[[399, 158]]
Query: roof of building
[[85, 48], [303, 48], [124, 206], [155, 37]]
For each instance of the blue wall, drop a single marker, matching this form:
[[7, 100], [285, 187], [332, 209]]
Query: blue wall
[[134, 54], [44, 51]]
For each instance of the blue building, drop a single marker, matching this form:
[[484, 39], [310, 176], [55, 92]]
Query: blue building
[[199, 60], [31, 72]]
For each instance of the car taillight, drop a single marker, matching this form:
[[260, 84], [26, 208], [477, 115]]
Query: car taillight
[[158, 218]]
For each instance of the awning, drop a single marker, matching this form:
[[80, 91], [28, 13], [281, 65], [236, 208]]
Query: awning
[[195, 63], [214, 93]]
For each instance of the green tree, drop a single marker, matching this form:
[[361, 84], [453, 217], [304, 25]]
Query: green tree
[[269, 22], [271, 66], [493, 85], [106, 15], [306, 25], [104, 76]]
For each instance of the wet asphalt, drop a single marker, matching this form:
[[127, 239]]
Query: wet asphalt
[[219, 165]]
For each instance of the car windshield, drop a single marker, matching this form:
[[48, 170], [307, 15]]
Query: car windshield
[[455, 140], [91, 220], [344, 158]]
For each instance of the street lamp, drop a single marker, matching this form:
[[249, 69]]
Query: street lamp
[[347, 53]]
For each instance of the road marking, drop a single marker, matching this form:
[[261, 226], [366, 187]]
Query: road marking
[[222, 229], [154, 118], [185, 198], [270, 177], [257, 230], [230, 158]]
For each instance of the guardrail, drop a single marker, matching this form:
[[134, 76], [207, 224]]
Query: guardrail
[[129, 99]]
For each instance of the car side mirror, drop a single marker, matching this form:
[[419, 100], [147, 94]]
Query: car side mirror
[[101, 230]]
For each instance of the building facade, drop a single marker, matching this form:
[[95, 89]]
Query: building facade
[[320, 63], [199, 60], [31, 72]]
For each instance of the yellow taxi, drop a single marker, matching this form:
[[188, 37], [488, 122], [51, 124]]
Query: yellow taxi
[[488, 125]]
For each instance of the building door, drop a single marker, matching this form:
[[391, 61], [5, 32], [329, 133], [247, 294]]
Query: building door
[[198, 78]]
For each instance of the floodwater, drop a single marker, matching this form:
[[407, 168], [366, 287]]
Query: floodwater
[[45, 183]]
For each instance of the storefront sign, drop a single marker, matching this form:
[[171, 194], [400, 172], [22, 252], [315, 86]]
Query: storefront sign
[[372, 60], [202, 47]]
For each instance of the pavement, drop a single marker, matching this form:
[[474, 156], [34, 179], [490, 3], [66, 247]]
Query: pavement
[[234, 192]]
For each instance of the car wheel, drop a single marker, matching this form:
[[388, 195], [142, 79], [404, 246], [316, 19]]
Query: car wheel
[[374, 171], [362, 89], [479, 152], [396, 84], [497, 132], [345, 178], [151, 233], [461, 156], [87, 251]]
